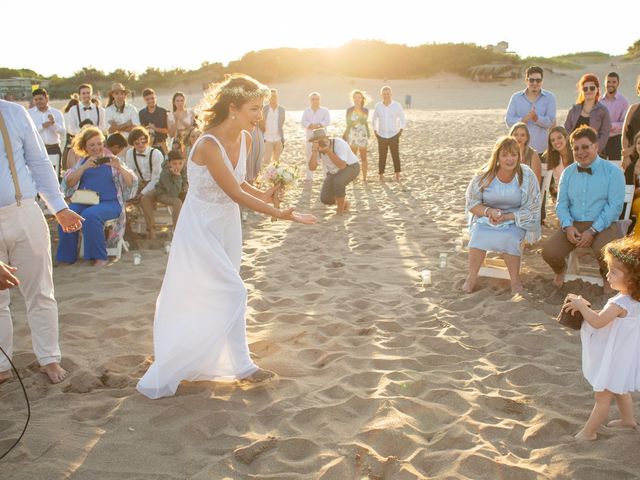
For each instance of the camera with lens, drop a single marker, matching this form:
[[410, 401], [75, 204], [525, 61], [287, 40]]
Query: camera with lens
[[323, 143], [102, 160]]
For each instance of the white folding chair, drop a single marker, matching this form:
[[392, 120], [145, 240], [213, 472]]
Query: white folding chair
[[588, 273], [115, 251]]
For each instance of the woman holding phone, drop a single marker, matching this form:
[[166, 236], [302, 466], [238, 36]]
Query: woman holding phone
[[107, 184]]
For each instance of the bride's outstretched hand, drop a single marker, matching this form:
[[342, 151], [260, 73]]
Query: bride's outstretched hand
[[294, 216]]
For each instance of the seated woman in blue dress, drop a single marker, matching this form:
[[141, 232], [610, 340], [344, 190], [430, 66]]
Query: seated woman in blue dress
[[99, 171], [503, 202]]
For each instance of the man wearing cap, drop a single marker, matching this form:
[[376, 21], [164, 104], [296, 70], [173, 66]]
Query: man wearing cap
[[50, 125], [341, 167], [85, 113], [313, 117], [25, 248], [121, 116]]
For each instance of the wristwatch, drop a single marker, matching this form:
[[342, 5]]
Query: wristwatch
[[593, 231]]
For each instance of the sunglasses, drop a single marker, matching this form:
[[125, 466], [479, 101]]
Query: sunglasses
[[589, 88], [577, 148], [534, 80]]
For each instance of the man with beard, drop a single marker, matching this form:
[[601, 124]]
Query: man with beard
[[617, 105]]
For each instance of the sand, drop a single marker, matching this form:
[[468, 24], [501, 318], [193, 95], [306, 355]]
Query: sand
[[379, 377]]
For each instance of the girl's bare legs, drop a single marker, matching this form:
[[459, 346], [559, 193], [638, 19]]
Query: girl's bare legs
[[625, 405], [476, 257], [513, 266], [598, 416], [363, 164]]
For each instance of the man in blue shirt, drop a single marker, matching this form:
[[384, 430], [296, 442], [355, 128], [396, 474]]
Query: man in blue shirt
[[535, 107], [590, 200], [25, 249]]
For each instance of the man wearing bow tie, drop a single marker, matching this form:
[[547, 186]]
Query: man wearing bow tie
[[86, 112], [590, 200]]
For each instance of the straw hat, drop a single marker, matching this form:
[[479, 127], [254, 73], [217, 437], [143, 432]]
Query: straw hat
[[318, 134], [118, 87]]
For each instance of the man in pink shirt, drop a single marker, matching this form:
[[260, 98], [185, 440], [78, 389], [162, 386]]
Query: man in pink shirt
[[617, 105]]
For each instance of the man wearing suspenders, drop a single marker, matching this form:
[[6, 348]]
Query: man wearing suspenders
[[25, 171], [50, 125], [86, 113]]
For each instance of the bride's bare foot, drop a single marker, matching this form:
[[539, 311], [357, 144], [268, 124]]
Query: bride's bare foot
[[558, 280], [55, 372], [100, 263], [260, 375], [581, 436], [6, 375], [621, 424]]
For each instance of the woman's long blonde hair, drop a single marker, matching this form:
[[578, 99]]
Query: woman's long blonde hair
[[490, 169]]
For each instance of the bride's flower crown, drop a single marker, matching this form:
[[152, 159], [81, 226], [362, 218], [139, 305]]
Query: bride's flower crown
[[259, 92]]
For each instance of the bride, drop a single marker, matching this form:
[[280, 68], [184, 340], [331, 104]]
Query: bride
[[199, 327]]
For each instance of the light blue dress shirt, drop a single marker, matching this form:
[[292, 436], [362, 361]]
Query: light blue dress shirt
[[596, 198], [545, 104], [33, 167]]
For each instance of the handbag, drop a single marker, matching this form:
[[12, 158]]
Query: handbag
[[566, 319], [85, 197]]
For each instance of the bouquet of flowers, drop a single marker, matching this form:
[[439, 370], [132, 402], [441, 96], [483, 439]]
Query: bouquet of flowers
[[279, 176]]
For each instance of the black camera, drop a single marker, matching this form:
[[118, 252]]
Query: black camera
[[102, 160], [323, 143]]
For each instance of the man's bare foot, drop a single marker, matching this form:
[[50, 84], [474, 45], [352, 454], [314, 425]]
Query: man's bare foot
[[468, 286], [517, 288], [100, 263], [582, 436], [260, 375], [346, 206], [558, 280], [619, 423], [151, 234], [398, 178], [381, 178], [6, 375], [55, 372]]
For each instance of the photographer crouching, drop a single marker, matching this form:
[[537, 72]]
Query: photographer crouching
[[341, 168]]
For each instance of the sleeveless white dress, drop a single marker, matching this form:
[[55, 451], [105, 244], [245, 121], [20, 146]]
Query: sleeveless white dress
[[199, 326], [611, 355]]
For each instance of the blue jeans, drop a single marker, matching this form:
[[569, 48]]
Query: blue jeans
[[95, 245]]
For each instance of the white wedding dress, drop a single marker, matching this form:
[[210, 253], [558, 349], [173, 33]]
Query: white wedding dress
[[199, 327]]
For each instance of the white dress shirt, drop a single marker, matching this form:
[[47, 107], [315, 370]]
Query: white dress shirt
[[310, 117], [50, 135], [343, 152], [148, 167], [271, 131], [129, 114], [81, 112], [33, 167], [388, 120]]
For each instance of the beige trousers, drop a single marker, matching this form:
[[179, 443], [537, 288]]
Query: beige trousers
[[272, 151], [25, 244]]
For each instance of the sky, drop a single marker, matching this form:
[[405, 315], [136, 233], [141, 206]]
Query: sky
[[134, 35]]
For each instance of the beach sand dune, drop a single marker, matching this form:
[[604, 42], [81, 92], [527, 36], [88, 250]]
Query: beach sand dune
[[378, 376]]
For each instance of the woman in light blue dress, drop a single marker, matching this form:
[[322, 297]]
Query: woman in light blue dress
[[503, 202]]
